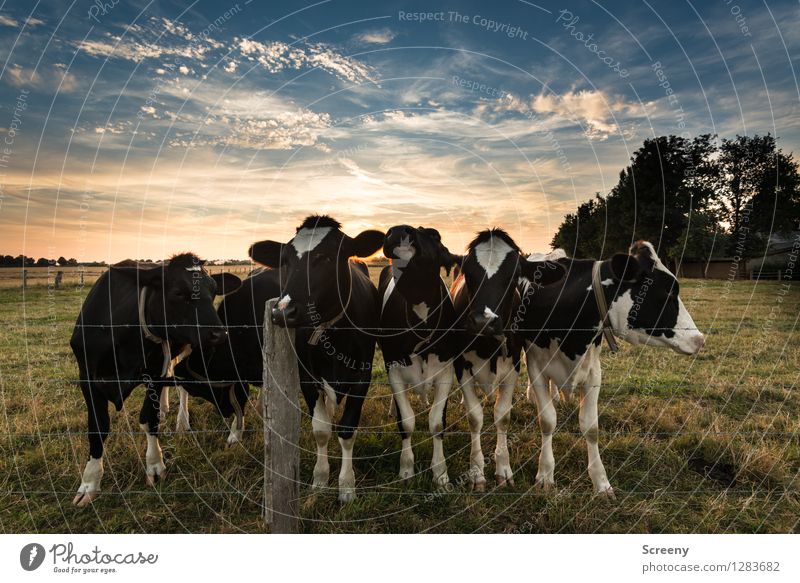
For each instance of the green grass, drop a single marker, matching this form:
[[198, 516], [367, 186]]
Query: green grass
[[705, 444]]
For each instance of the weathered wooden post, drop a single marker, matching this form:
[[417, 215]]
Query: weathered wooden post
[[280, 410]]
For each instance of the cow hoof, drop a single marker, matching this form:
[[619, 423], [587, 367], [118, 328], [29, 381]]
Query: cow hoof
[[607, 494], [544, 486], [442, 480], [182, 425], [231, 441], [347, 495], [83, 499], [155, 473], [479, 487], [406, 475], [502, 481]]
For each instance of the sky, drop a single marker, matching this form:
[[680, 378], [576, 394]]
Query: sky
[[139, 129]]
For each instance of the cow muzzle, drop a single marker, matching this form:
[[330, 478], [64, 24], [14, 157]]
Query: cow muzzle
[[285, 317], [482, 325]]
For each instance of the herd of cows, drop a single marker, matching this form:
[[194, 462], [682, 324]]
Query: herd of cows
[[156, 325]]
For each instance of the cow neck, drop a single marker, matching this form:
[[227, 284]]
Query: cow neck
[[320, 329], [602, 307], [504, 342], [168, 368], [442, 287]]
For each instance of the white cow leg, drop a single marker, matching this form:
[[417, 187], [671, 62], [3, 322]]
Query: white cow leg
[[155, 469], [163, 407], [590, 429], [405, 422], [502, 419], [475, 416], [237, 424], [347, 478], [436, 423], [321, 426], [182, 424], [545, 476]]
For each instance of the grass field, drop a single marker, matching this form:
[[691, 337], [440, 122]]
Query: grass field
[[705, 444]]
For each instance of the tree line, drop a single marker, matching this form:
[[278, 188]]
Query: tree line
[[694, 199]]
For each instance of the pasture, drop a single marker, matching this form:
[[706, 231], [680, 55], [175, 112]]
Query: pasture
[[691, 444]]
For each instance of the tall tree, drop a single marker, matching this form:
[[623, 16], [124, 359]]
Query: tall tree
[[760, 188]]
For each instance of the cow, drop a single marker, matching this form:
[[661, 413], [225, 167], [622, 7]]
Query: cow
[[486, 300], [226, 371], [632, 296], [417, 335], [137, 321], [334, 307]]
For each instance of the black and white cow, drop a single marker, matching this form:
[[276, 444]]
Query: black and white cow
[[335, 308], [563, 337], [135, 323], [486, 299], [225, 371], [417, 338]]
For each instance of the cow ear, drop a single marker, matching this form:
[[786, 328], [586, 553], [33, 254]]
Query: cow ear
[[448, 260], [625, 267], [542, 272], [266, 253], [152, 275], [366, 243], [226, 283]]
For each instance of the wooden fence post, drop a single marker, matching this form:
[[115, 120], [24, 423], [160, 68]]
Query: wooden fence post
[[280, 410]]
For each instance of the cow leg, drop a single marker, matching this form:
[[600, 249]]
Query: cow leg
[[539, 385], [475, 416], [590, 391], [321, 427], [155, 469], [98, 427], [346, 431], [502, 419], [182, 423], [405, 420], [437, 418], [238, 400], [164, 402]]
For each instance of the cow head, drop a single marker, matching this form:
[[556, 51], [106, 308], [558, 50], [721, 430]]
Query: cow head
[[180, 302], [418, 256], [646, 308], [315, 269], [490, 270]]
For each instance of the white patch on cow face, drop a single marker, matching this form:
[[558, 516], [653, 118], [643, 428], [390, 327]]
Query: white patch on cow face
[[491, 254], [307, 239], [283, 302], [421, 310], [194, 268], [489, 314], [687, 339], [403, 253]]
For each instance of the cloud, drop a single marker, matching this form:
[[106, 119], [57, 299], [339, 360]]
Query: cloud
[[55, 78], [596, 110], [8, 21], [276, 56], [377, 37]]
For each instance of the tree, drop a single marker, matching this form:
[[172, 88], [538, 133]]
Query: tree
[[669, 178], [760, 188]]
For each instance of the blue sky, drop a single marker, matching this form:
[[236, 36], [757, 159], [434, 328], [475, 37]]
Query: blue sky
[[139, 129]]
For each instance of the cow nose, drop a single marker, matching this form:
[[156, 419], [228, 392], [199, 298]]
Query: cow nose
[[699, 342], [286, 317], [480, 324], [217, 336]]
